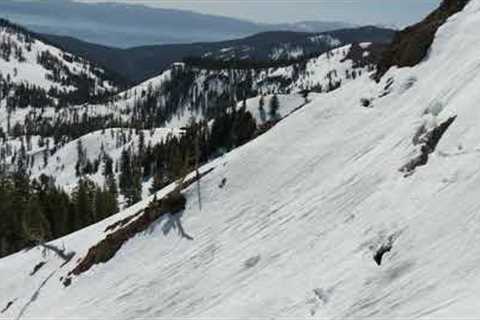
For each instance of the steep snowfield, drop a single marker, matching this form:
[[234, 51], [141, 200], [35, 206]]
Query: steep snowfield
[[33, 73], [305, 206]]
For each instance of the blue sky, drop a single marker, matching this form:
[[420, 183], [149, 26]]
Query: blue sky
[[388, 12]]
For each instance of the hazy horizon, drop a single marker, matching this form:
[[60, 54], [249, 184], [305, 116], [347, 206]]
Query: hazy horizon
[[147, 22], [361, 12]]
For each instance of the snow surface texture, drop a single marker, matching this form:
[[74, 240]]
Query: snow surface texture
[[293, 231], [33, 73]]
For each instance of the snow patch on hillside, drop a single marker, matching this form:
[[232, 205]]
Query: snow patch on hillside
[[288, 103], [328, 39], [29, 71], [111, 142]]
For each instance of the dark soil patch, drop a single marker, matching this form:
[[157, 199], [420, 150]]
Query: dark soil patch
[[106, 249]]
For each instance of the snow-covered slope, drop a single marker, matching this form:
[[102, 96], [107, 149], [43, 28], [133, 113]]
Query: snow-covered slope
[[20, 61], [303, 209], [60, 161], [323, 73], [96, 145]]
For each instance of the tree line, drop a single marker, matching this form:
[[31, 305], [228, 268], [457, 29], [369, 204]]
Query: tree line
[[34, 211]]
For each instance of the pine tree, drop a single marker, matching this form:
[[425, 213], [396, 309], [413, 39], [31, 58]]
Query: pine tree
[[100, 202], [35, 225], [305, 95], [112, 194], [134, 193], [81, 159], [274, 106], [125, 171], [261, 109], [83, 197]]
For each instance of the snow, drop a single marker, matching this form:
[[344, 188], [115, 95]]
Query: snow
[[32, 72], [154, 83], [305, 206], [62, 163], [328, 39], [34, 149], [365, 45], [286, 52], [320, 71], [288, 103]]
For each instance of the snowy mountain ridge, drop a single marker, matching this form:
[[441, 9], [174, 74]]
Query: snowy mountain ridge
[[319, 74], [201, 94], [26, 59]]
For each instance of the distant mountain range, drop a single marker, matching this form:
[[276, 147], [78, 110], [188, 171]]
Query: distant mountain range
[[124, 25], [141, 63]]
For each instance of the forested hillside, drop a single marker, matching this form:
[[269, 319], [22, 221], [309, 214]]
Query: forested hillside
[[138, 64], [75, 149]]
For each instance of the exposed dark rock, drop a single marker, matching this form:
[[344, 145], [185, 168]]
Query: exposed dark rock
[[122, 222], [102, 252], [410, 46], [222, 183], [9, 304], [356, 54], [429, 141], [366, 103], [37, 267], [108, 247], [381, 252], [67, 282]]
